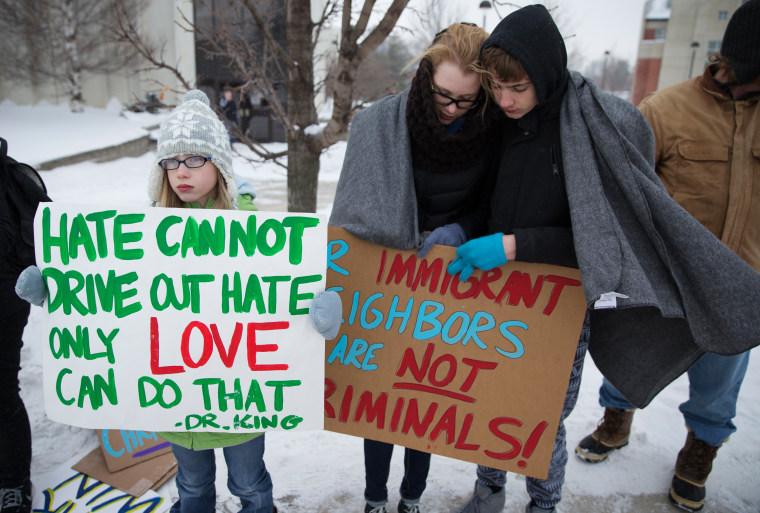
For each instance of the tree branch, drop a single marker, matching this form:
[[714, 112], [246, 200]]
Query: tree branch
[[363, 21], [264, 28], [125, 31], [378, 35], [328, 11]]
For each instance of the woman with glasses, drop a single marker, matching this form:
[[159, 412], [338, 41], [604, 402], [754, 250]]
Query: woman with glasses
[[417, 173]]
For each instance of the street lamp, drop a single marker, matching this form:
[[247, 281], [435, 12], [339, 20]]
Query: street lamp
[[604, 70], [485, 6], [694, 46]]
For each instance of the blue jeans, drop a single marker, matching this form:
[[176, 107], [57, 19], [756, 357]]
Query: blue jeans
[[377, 466], [248, 478], [546, 493], [714, 383]]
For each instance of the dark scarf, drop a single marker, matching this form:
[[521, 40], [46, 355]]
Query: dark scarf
[[433, 147]]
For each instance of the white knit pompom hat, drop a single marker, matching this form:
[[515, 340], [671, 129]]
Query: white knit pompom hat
[[193, 129]]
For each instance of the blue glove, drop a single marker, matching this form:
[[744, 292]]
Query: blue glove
[[446, 235], [30, 286], [325, 313], [481, 253], [244, 186]]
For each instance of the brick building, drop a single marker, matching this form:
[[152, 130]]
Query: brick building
[[677, 37]]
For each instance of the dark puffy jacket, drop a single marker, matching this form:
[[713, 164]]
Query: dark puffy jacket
[[461, 196]]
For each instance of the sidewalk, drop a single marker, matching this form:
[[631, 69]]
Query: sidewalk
[[131, 148], [46, 136]]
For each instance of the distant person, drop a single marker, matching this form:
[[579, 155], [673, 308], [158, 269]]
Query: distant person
[[707, 133], [22, 190], [416, 174], [193, 169], [230, 109], [245, 112]]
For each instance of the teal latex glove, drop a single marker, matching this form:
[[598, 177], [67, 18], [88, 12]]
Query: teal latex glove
[[481, 253], [325, 313], [30, 286]]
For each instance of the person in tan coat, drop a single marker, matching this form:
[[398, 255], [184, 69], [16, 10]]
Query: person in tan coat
[[707, 138]]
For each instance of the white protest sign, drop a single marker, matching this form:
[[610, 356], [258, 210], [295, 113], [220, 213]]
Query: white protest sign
[[181, 319]]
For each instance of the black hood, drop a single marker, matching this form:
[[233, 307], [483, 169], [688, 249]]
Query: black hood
[[531, 36]]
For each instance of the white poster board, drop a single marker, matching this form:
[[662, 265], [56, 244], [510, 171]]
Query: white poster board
[[181, 319], [70, 491]]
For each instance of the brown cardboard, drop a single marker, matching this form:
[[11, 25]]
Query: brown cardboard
[[447, 397], [134, 480], [164, 479], [124, 448]]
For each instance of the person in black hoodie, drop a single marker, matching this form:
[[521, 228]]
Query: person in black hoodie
[[530, 217]]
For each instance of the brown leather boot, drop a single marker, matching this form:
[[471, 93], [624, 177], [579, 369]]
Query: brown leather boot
[[693, 465], [611, 433]]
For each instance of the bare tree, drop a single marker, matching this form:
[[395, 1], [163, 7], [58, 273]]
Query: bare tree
[[124, 31], [382, 73], [59, 41], [264, 63]]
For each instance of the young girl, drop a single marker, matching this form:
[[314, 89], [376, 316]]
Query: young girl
[[193, 169]]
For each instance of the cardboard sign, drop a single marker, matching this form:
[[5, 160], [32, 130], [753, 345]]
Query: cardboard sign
[[181, 319], [473, 370], [135, 480], [71, 491], [123, 448]]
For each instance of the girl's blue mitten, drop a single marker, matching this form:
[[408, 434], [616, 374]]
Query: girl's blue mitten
[[481, 253], [30, 286], [325, 313]]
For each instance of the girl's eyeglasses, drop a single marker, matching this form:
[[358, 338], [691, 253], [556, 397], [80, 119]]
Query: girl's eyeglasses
[[446, 100], [191, 162]]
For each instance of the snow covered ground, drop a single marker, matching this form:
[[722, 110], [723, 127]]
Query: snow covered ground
[[323, 471]]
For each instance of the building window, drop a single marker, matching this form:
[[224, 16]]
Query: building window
[[712, 47], [722, 15], [659, 33]]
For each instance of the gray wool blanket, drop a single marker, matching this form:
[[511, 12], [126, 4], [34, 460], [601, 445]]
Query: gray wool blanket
[[685, 292], [375, 198]]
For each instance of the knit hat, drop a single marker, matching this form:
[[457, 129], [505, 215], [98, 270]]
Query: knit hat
[[193, 128], [741, 42]]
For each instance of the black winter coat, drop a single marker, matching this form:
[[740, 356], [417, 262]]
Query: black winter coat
[[21, 191], [460, 196], [529, 198]]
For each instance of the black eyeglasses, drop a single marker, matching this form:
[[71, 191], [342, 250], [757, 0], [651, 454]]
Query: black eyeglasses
[[448, 100], [192, 162]]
